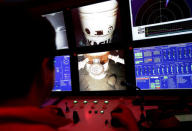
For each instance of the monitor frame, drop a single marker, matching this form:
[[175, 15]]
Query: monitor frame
[[131, 89], [127, 44], [73, 50]]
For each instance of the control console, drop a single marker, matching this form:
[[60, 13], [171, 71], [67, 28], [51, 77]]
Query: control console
[[94, 113]]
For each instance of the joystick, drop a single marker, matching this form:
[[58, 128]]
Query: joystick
[[60, 112], [115, 122], [75, 117], [67, 108], [117, 110]]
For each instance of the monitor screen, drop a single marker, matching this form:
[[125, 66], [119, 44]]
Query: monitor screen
[[97, 24], [164, 67], [101, 71], [62, 74], [160, 18], [57, 21]]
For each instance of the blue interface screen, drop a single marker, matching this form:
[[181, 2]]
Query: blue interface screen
[[62, 74], [164, 67]]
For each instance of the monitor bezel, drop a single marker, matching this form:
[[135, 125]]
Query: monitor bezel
[[73, 50], [127, 44], [129, 92]]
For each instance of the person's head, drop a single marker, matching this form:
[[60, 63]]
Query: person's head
[[27, 54]]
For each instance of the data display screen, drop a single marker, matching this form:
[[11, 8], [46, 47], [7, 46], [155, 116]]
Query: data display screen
[[164, 67], [57, 21], [160, 18], [102, 71], [62, 74], [97, 24]]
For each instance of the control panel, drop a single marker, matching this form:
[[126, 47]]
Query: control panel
[[164, 67], [94, 113]]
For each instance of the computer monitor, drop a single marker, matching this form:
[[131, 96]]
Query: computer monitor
[[97, 24], [160, 18], [164, 67], [102, 71], [62, 74], [57, 21]]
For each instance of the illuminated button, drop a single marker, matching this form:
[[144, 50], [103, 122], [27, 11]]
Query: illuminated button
[[106, 102], [101, 112], [75, 102], [85, 102], [95, 102]]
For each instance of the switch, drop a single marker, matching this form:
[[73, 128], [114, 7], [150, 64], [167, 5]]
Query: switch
[[95, 102], [106, 102], [67, 108], [75, 117], [85, 102]]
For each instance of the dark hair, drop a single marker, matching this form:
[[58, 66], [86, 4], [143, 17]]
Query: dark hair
[[25, 40]]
